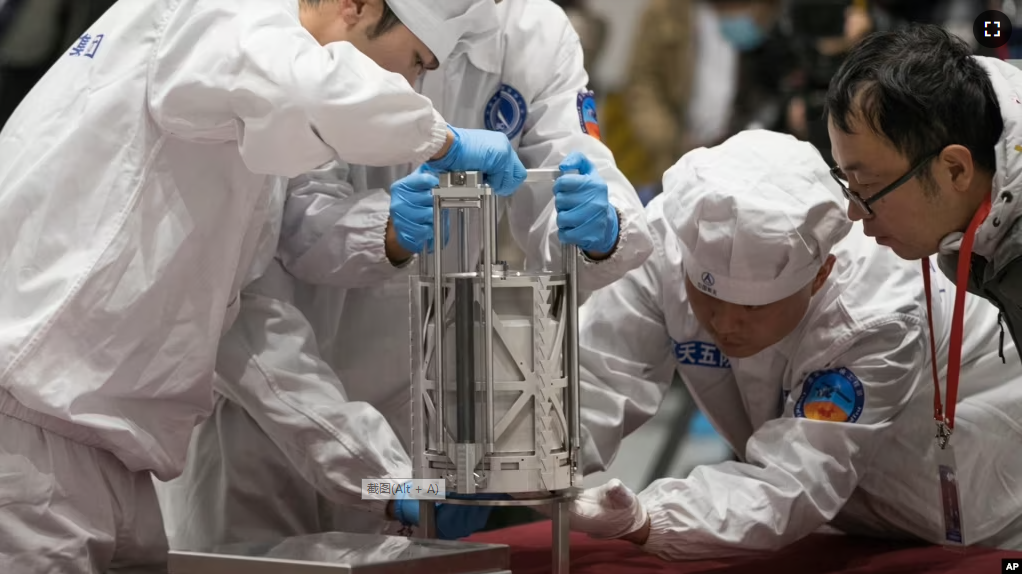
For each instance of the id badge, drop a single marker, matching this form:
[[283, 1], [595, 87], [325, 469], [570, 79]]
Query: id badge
[[951, 506]]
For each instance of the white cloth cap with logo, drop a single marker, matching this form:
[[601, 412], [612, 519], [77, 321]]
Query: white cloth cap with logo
[[444, 25], [757, 216]]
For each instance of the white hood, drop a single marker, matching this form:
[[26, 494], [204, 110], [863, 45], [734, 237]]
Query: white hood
[[756, 216], [448, 27], [1003, 222]]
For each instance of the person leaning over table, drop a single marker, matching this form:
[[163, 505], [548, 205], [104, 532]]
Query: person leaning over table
[[807, 347]]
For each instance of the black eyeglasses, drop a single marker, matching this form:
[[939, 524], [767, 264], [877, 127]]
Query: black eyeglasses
[[864, 204]]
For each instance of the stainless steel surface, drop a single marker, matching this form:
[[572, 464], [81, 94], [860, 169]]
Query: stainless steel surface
[[560, 542], [489, 256], [547, 175], [461, 196], [529, 333], [490, 206], [438, 318], [463, 241], [475, 178], [530, 326], [460, 179], [512, 502], [424, 263], [571, 255], [427, 519], [498, 412], [345, 553], [465, 477], [465, 368], [471, 202]]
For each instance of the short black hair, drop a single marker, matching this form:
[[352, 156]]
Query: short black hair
[[388, 19], [920, 89]]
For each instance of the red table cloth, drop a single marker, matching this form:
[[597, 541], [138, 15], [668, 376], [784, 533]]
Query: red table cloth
[[816, 554]]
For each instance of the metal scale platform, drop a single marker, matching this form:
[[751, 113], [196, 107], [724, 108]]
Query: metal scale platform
[[346, 553]]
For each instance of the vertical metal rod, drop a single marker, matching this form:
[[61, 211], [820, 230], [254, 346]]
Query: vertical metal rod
[[427, 519], [560, 534], [465, 347], [489, 252], [438, 324], [571, 259], [424, 262], [494, 227], [463, 241], [465, 369], [424, 268]]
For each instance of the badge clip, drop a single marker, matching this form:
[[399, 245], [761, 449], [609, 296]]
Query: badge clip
[[944, 433]]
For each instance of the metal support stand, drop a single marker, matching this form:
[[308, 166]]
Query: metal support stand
[[560, 537], [427, 519], [495, 374]]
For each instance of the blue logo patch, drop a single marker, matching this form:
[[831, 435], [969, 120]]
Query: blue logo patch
[[587, 105], [707, 279], [834, 395], [701, 354], [505, 112]]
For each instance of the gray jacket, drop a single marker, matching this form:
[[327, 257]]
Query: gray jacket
[[995, 270]]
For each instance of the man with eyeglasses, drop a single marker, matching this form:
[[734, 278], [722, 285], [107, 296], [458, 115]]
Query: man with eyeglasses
[[926, 138], [801, 342]]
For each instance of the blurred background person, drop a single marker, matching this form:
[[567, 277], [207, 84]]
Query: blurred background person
[[592, 30], [703, 70]]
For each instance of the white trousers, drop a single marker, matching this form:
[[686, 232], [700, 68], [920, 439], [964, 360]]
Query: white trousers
[[69, 508], [239, 487]]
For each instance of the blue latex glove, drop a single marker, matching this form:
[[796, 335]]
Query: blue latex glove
[[412, 210], [486, 151], [454, 521], [585, 216]]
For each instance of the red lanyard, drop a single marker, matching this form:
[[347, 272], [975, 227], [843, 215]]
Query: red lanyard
[[946, 417]]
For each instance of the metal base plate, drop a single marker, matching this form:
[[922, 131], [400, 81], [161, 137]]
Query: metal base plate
[[345, 553], [513, 502]]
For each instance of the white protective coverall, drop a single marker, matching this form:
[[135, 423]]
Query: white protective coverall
[[876, 472], [136, 183], [326, 381], [995, 270]]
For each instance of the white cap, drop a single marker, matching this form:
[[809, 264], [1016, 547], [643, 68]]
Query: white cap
[[444, 24], [757, 216]]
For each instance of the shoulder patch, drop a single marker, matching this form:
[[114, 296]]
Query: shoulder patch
[[587, 106], [700, 354], [505, 112], [834, 395]]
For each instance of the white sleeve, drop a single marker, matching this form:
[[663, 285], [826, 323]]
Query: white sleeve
[[333, 231], [798, 473], [623, 379], [250, 73], [269, 364], [553, 131]]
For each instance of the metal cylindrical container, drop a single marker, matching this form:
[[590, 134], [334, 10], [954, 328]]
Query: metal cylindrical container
[[509, 404], [531, 421], [495, 371]]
